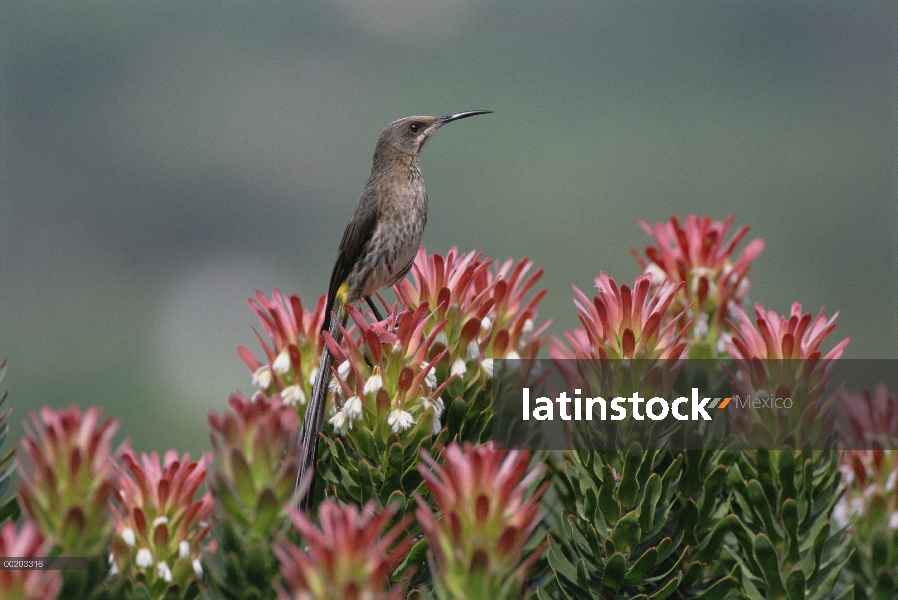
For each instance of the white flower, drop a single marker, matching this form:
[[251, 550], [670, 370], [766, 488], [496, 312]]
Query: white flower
[[441, 338], [262, 377], [184, 549], [513, 356], [431, 378], [293, 395], [373, 384], [487, 365], [163, 571], [485, 324], [334, 386], [128, 536], [340, 422], [163, 520], [437, 405], [528, 326], [282, 363], [113, 566], [458, 367], [343, 370], [198, 568], [144, 558], [313, 374], [353, 408], [400, 420], [473, 351], [436, 428]]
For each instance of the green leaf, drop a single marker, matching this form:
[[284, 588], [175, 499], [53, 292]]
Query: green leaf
[[626, 532], [768, 561], [795, 585], [615, 568]]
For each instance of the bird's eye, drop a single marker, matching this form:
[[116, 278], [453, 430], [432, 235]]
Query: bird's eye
[[415, 127]]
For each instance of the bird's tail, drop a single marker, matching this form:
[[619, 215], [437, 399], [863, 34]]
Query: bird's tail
[[314, 419]]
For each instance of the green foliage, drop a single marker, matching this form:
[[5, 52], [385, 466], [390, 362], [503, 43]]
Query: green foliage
[[785, 544]]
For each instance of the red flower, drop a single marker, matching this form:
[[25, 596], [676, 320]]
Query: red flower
[[485, 521], [696, 255], [625, 323], [26, 584], [293, 350], [258, 457], [386, 375], [67, 477], [485, 307], [781, 358], [871, 419], [160, 525], [350, 556]]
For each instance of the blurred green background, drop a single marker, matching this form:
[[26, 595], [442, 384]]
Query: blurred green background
[[161, 161]]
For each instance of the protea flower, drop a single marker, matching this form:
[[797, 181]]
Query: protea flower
[[634, 329], [160, 525], [293, 349], [350, 556], [485, 308], [484, 521], [387, 379], [696, 254], [781, 358], [67, 478], [26, 584], [256, 447], [870, 419]]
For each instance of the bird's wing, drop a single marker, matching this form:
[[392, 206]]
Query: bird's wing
[[355, 239]]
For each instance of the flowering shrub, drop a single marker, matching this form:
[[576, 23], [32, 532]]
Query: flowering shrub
[[411, 499]]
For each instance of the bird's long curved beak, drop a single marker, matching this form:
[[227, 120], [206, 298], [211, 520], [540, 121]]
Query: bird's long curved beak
[[461, 115]]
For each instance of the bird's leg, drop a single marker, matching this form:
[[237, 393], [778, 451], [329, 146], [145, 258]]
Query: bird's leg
[[373, 306], [377, 314]]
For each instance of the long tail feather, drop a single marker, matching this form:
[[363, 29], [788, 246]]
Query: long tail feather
[[314, 420]]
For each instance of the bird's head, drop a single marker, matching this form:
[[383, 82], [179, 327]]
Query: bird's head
[[408, 135]]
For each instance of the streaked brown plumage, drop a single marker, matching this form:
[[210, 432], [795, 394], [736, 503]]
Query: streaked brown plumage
[[377, 250]]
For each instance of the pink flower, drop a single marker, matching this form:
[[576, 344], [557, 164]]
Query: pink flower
[[67, 476], [160, 525], [386, 373], [871, 419], [697, 255], [625, 323], [350, 555], [486, 309], [484, 523], [257, 451], [26, 584], [292, 350], [780, 357]]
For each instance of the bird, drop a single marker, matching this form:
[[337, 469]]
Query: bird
[[377, 250]]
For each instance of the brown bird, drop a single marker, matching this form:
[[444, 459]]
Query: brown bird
[[377, 250]]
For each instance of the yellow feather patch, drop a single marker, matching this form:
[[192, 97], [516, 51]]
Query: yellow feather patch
[[343, 292]]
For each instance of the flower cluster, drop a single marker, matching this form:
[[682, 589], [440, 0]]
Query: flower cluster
[[160, 525], [780, 357], [295, 346], [484, 522], [67, 477], [484, 308], [870, 419], [696, 254], [257, 459], [351, 555], [386, 379], [26, 584]]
